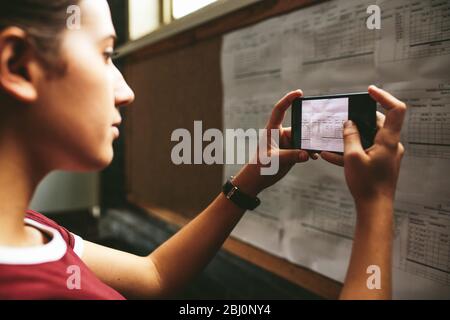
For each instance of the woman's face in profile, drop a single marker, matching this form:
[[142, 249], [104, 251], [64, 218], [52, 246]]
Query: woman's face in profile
[[74, 115]]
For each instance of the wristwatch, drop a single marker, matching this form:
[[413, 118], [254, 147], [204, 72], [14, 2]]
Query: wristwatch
[[242, 200]]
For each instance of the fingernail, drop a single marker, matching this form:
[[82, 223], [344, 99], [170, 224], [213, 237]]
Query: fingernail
[[303, 156], [348, 124]]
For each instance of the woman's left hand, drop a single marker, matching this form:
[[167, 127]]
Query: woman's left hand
[[250, 179]]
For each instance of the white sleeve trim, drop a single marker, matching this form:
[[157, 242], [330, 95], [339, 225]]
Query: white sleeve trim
[[78, 248]]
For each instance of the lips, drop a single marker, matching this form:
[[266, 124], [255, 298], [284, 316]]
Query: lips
[[115, 128], [115, 131], [117, 123]]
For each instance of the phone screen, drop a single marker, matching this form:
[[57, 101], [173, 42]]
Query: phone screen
[[318, 122], [322, 124]]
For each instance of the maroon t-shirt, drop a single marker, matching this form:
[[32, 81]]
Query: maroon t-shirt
[[50, 271]]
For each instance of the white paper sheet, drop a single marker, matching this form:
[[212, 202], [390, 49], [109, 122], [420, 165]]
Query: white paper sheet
[[422, 248], [263, 227], [415, 40], [318, 232], [251, 60], [426, 136], [329, 39]]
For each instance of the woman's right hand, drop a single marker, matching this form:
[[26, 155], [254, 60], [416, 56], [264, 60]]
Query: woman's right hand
[[372, 174]]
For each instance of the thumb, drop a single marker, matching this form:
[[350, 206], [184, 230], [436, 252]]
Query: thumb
[[291, 157], [352, 141]]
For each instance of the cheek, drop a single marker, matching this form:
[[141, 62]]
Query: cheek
[[79, 111], [94, 112], [90, 93]]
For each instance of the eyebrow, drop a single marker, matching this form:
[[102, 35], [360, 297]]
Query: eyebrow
[[111, 36]]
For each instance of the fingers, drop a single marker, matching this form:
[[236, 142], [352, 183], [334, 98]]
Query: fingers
[[396, 108], [380, 120], [333, 158], [394, 118], [313, 155], [279, 111], [287, 132], [291, 157], [352, 146], [401, 149], [285, 139], [352, 141], [384, 98], [286, 142]]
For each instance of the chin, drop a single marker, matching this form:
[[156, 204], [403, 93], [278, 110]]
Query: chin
[[97, 163], [103, 162]]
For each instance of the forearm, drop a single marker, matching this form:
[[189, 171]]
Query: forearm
[[372, 246], [184, 255]]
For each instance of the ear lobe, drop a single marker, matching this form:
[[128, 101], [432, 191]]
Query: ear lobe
[[17, 65]]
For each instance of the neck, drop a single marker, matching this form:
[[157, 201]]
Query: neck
[[19, 177]]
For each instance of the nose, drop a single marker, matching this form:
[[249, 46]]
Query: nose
[[122, 92]]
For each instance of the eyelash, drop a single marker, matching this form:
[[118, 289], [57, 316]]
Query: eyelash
[[109, 54]]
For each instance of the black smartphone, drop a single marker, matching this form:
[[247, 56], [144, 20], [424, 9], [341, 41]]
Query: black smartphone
[[317, 122]]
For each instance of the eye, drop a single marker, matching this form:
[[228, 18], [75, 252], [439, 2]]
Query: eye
[[109, 54]]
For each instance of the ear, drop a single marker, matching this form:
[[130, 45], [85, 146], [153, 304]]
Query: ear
[[19, 68]]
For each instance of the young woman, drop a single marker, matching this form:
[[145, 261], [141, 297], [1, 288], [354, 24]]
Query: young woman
[[59, 99]]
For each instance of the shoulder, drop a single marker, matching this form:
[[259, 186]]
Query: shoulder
[[73, 241]]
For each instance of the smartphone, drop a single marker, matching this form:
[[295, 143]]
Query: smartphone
[[318, 122]]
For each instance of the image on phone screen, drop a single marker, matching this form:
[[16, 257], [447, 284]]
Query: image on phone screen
[[322, 124], [318, 122]]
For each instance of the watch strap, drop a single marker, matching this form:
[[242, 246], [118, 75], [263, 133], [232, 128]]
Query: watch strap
[[240, 198]]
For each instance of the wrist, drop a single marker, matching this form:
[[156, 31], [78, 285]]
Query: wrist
[[376, 201], [247, 180], [374, 211]]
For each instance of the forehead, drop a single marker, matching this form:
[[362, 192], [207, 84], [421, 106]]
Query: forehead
[[96, 17]]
